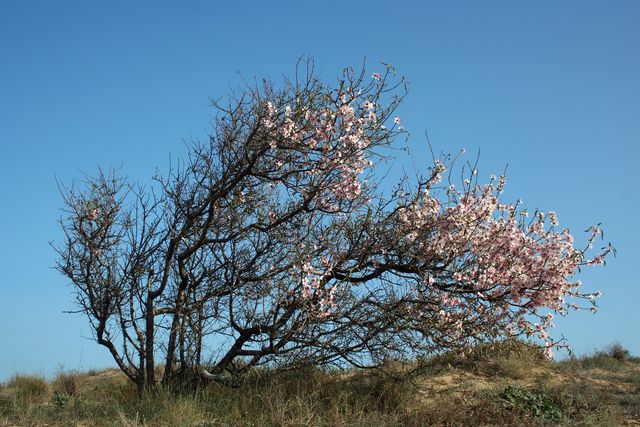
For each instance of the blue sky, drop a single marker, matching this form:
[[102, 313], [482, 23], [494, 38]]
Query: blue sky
[[549, 87]]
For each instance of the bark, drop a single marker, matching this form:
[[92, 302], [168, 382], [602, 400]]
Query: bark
[[149, 345]]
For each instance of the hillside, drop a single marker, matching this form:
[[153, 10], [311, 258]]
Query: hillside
[[512, 385]]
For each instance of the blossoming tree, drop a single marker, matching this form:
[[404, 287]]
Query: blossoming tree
[[273, 243]]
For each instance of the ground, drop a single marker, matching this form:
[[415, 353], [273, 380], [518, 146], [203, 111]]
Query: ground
[[509, 385]]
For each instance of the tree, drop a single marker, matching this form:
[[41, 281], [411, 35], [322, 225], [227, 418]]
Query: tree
[[272, 243]]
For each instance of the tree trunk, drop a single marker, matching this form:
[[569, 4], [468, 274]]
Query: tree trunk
[[149, 346], [171, 344]]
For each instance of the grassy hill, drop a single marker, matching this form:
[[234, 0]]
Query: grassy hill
[[511, 385]]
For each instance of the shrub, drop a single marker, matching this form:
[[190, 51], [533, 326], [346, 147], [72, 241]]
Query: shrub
[[60, 399], [537, 403], [618, 352], [29, 388], [67, 383], [611, 358]]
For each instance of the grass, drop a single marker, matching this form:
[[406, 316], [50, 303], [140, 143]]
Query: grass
[[611, 358], [508, 385]]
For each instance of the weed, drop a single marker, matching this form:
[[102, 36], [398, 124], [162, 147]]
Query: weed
[[532, 401], [60, 399]]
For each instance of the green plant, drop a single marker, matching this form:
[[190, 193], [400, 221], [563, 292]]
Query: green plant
[[534, 402], [60, 399]]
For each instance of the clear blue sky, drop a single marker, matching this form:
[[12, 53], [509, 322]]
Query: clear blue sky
[[552, 88]]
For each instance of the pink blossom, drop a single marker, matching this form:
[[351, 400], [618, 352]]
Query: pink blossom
[[271, 109], [92, 214]]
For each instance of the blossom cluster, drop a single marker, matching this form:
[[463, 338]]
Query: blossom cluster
[[487, 259], [333, 139], [321, 299]]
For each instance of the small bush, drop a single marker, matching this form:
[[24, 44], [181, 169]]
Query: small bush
[[635, 380], [67, 383], [470, 409], [618, 352], [535, 402], [581, 402], [611, 359], [29, 388], [60, 399], [510, 358]]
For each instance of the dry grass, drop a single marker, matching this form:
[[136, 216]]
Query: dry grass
[[508, 385], [67, 383], [29, 389]]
